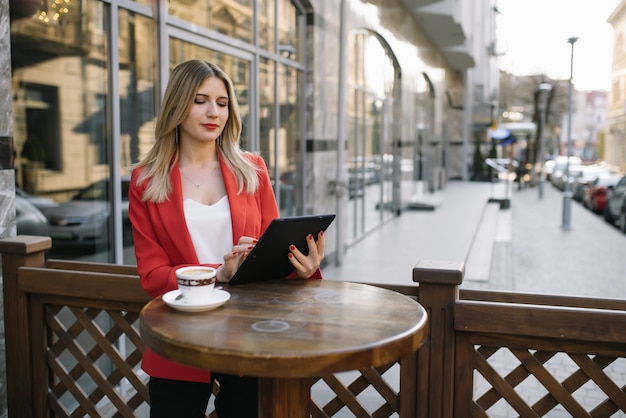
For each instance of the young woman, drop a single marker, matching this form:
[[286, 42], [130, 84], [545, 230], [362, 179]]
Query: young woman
[[198, 198]]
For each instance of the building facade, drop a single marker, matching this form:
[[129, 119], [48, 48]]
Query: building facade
[[615, 147], [354, 105], [350, 103]]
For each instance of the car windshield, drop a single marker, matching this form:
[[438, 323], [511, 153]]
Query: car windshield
[[97, 191], [608, 180], [100, 191], [593, 173]]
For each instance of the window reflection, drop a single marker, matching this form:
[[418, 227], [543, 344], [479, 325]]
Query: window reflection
[[267, 113], [288, 29], [68, 123], [236, 68], [231, 18], [63, 128], [137, 81], [369, 159], [281, 147], [289, 137], [137, 78], [267, 24]]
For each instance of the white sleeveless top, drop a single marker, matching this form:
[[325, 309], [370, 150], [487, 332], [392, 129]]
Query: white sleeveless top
[[211, 229]]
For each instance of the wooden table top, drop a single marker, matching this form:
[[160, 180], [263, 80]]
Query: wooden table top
[[289, 328]]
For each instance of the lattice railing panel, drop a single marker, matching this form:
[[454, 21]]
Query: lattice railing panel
[[372, 392], [513, 382], [93, 357]]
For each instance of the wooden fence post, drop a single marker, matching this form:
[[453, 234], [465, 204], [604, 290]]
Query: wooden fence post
[[438, 292], [17, 252]]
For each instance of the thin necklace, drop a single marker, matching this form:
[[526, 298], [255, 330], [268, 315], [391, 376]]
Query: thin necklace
[[196, 185]]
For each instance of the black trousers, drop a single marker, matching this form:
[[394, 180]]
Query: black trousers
[[237, 397]]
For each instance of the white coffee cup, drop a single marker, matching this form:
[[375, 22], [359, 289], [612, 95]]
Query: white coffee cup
[[196, 283]]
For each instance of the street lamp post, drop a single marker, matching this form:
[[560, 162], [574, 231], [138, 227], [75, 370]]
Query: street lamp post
[[544, 90], [567, 194]]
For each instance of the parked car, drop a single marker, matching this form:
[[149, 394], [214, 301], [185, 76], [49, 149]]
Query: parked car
[[560, 179], [557, 170], [29, 220], [615, 208], [596, 193], [40, 202], [84, 220], [589, 174]]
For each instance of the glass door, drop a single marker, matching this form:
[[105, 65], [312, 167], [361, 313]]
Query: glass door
[[369, 154]]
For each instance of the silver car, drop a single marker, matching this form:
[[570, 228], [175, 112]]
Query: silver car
[[84, 220], [29, 220]]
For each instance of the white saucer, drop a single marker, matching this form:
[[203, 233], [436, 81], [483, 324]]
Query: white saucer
[[218, 298]]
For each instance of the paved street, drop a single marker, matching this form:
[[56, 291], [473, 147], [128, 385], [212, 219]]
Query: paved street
[[588, 260]]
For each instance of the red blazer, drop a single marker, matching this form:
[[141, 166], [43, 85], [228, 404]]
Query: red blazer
[[163, 244]]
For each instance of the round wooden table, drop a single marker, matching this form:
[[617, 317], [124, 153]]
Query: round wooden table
[[286, 332]]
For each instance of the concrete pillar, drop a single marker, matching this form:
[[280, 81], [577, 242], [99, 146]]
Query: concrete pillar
[[7, 174]]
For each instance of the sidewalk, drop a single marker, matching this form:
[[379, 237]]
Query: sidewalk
[[448, 233], [522, 248]]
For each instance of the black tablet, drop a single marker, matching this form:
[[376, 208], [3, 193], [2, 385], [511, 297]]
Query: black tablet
[[268, 259]]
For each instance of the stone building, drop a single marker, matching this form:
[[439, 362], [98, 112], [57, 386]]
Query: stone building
[[615, 149]]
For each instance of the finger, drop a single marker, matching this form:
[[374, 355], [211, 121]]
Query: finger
[[297, 254], [231, 263], [299, 260], [312, 247], [303, 269], [245, 240], [304, 265], [243, 248], [321, 244]]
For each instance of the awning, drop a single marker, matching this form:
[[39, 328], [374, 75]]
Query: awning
[[502, 136]]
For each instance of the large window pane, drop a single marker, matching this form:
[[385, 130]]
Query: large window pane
[[236, 68], [267, 125], [231, 18], [267, 24], [61, 124], [369, 159], [137, 80], [288, 142], [288, 30]]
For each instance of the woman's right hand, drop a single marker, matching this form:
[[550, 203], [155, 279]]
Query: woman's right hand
[[233, 259]]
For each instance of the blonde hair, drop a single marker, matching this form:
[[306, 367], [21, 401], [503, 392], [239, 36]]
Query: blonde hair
[[177, 101]]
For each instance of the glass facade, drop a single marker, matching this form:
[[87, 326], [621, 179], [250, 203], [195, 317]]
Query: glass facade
[[346, 108], [231, 18], [87, 79], [369, 154]]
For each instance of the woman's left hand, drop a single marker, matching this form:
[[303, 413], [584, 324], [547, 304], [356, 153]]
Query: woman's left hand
[[306, 265]]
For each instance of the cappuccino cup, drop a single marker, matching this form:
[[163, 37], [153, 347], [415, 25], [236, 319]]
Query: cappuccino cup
[[196, 283]]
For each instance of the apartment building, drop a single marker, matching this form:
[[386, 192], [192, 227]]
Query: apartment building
[[615, 149]]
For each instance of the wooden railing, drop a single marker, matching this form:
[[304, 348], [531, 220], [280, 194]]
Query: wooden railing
[[502, 354], [73, 348]]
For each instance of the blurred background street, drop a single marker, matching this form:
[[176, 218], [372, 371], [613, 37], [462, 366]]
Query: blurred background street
[[523, 248]]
